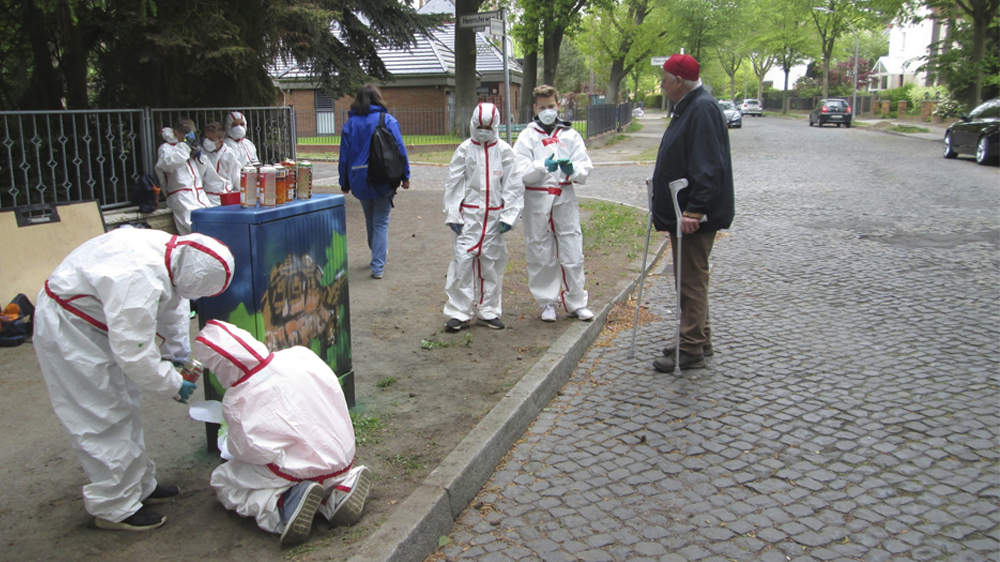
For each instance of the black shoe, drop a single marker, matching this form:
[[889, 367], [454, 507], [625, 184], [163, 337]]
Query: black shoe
[[707, 351], [493, 323], [455, 325], [142, 520], [688, 361], [162, 494]]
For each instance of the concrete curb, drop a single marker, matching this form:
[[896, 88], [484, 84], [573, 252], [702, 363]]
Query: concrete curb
[[411, 533]]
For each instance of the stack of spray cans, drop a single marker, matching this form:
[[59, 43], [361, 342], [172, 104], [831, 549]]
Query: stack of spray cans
[[276, 184]]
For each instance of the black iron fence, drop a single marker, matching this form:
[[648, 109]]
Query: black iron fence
[[51, 157]]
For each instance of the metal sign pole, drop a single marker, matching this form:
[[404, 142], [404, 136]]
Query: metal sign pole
[[506, 73]]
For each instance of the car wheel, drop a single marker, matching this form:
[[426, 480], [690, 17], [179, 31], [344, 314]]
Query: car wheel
[[949, 152], [810, 121], [838, 125], [983, 156], [848, 124]]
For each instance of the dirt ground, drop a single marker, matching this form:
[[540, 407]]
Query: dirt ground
[[425, 400]]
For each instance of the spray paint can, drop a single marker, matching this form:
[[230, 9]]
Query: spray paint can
[[289, 165], [191, 372], [268, 179], [304, 180], [280, 183], [248, 187]]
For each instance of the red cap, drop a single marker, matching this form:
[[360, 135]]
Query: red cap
[[682, 66]]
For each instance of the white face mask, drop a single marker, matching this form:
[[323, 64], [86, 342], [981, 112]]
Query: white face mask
[[484, 135], [208, 145], [548, 116], [238, 132]]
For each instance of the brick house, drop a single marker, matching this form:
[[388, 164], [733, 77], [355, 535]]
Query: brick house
[[423, 89]]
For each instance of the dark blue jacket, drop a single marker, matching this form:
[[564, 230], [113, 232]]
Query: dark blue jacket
[[696, 147], [355, 140]]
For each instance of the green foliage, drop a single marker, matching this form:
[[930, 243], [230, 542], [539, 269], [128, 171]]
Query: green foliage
[[407, 463], [435, 343], [654, 100], [367, 428], [386, 382], [613, 227], [190, 53], [948, 107], [894, 95], [908, 129], [953, 58]]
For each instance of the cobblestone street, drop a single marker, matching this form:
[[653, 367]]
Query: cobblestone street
[[850, 411]]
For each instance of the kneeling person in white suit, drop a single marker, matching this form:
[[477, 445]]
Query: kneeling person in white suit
[[289, 433]]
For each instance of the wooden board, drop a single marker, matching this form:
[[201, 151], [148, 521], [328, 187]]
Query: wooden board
[[28, 254]]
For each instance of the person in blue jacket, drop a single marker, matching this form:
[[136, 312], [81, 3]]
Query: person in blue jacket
[[376, 200]]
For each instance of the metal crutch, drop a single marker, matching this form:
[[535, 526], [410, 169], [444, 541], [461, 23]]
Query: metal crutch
[[645, 251], [675, 187]]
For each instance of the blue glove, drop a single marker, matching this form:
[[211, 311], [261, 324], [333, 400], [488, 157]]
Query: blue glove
[[551, 164], [566, 166], [187, 388], [505, 228], [455, 227]]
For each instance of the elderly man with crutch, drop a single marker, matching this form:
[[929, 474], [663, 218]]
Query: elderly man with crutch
[[695, 151]]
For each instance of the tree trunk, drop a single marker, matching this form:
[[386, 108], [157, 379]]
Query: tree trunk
[[614, 82], [74, 60], [784, 94], [44, 90], [528, 83], [550, 52], [979, 24], [826, 75], [465, 69]]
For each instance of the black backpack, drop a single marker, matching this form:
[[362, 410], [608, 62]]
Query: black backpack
[[386, 164], [146, 194]]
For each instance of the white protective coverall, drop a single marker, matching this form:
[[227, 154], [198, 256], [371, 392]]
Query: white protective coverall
[[221, 173], [246, 151], [552, 236], [180, 179], [483, 189], [287, 422], [109, 321]]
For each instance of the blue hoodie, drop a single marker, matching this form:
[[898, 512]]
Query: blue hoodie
[[355, 139]]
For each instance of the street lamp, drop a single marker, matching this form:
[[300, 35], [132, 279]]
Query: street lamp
[[854, 105]]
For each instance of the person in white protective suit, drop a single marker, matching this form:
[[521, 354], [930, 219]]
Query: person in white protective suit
[[236, 139], [553, 157], [289, 433], [111, 324], [219, 167], [483, 198], [177, 168]]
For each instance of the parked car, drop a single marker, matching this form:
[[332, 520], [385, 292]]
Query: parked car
[[752, 107], [976, 134], [734, 119], [638, 112], [831, 111]]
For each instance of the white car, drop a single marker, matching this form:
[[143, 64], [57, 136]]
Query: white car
[[752, 107]]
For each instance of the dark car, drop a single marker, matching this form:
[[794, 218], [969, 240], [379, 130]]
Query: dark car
[[831, 111], [976, 134], [734, 119]]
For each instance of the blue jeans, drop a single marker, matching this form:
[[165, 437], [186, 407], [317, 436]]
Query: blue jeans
[[377, 224]]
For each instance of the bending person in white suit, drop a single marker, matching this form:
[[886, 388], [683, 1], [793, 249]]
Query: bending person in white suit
[[289, 433]]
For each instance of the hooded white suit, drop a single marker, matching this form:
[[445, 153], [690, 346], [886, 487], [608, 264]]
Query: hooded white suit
[[483, 189], [246, 151], [109, 321], [222, 174], [552, 236], [180, 178], [287, 422]]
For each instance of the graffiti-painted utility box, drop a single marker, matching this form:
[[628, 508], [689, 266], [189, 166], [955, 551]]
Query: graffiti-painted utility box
[[290, 283]]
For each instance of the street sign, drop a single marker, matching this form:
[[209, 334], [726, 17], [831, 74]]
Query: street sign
[[658, 61], [477, 20], [496, 27]]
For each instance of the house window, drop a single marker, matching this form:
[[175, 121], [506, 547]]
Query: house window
[[326, 117]]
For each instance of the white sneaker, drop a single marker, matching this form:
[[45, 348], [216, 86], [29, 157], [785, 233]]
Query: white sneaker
[[549, 313], [583, 314], [350, 497]]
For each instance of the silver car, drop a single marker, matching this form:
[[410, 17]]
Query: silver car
[[752, 107], [734, 119]]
